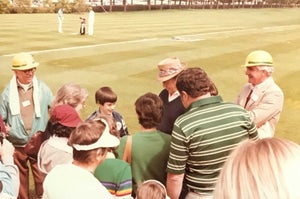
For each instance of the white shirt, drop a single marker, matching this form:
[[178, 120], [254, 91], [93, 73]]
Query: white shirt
[[70, 181], [91, 17]]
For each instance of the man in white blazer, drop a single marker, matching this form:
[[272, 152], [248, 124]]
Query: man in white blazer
[[261, 96]]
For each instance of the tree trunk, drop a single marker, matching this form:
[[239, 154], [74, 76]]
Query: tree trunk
[[110, 5], [125, 5]]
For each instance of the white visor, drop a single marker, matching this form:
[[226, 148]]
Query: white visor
[[106, 140]]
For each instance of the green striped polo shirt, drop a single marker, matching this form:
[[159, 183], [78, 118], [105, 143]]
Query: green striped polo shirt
[[202, 139]]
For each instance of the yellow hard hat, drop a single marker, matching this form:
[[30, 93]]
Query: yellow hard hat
[[259, 58], [23, 61]]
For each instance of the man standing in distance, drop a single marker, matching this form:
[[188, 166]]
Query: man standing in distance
[[172, 106], [203, 136], [91, 21], [60, 15], [261, 96], [24, 107]]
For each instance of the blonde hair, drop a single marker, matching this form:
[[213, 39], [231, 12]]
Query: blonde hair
[[71, 94], [262, 169], [151, 189]]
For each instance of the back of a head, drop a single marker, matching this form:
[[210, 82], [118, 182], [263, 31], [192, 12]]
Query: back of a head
[[90, 136], [111, 122], [195, 82], [151, 189], [262, 169], [149, 109], [85, 133]]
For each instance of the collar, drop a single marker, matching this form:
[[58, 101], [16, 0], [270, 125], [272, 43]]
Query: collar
[[263, 84], [206, 101], [25, 87], [173, 96]]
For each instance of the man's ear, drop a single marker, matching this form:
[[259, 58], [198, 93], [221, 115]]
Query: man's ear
[[184, 95]]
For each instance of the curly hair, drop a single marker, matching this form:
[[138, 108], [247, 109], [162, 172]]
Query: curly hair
[[71, 94], [195, 82], [149, 108]]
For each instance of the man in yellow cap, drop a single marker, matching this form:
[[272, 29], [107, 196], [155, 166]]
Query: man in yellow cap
[[24, 107], [261, 96]]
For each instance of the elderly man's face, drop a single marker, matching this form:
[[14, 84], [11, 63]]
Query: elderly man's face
[[25, 76], [170, 85], [255, 76]]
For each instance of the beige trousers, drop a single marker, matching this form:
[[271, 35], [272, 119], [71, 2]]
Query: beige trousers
[[193, 195]]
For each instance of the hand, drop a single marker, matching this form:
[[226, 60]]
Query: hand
[[7, 149], [7, 127]]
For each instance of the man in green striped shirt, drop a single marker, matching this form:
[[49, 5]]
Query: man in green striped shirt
[[203, 137]]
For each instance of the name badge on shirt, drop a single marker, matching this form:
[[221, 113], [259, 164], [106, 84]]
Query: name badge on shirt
[[26, 103]]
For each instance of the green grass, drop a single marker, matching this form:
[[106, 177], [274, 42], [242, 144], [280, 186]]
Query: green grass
[[217, 40], [117, 56]]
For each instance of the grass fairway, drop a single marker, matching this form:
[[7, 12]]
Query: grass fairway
[[126, 47]]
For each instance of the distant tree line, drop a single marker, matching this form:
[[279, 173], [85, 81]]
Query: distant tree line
[[79, 6]]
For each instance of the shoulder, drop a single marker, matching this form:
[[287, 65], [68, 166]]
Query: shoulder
[[43, 85], [164, 135], [117, 116], [5, 91], [233, 107], [163, 93], [273, 87], [116, 162]]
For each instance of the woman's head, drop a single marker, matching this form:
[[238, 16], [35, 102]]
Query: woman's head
[[71, 94], [63, 120], [263, 169]]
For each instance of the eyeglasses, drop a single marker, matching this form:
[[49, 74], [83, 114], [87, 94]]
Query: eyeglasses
[[32, 70]]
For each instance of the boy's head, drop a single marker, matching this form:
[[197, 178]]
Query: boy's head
[[105, 94], [106, 98]]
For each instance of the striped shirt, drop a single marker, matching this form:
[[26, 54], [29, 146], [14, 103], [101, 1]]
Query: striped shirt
[[116, 176], [202, 139]]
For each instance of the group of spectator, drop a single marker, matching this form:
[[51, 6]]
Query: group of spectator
[[191, 144]]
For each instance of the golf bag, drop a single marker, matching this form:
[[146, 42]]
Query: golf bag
[[82, 26]]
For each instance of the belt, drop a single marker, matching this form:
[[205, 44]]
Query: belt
[[199, 193]]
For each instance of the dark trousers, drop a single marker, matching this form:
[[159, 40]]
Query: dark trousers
[[21, 160], [184, 191]]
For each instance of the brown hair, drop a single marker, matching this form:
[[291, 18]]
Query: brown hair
[[149, 109], [105, 94], [112, 130], [86, 133], [195, 82]]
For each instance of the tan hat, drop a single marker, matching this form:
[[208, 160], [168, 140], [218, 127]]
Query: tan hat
[[23, 61], [169, 68]]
